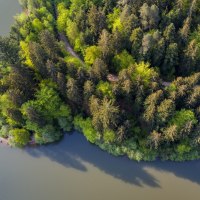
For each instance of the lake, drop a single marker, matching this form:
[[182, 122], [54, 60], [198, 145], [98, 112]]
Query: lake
[[74, 169], [8, 8]]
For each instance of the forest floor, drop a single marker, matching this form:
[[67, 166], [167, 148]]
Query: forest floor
[[166, 84], [71, 51], [68, 47]]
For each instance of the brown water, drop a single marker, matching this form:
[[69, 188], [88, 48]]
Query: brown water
[[8, 8], [76, 170]]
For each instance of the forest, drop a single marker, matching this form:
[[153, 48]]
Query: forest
[[125, 73]]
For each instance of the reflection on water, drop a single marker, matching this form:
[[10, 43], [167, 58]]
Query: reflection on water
[[75, 169], [73, 150]]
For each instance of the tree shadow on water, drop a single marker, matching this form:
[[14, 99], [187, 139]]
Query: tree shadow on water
[[57, 153], [73, 151], [186, 170]]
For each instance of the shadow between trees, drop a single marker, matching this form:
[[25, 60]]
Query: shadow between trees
[[74, 150]]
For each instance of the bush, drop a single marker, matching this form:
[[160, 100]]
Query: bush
[[19, 137], [85, 126], [109, 136]]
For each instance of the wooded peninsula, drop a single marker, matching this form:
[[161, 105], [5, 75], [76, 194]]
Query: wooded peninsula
[[125, 73]]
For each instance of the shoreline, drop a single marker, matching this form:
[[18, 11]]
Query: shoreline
[[4, 141], [32, 144]]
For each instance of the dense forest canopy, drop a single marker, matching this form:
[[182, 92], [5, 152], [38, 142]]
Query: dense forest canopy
[[125, 73]]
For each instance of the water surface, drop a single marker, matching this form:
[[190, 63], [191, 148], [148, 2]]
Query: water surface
[[74, 170], [8, 8]]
